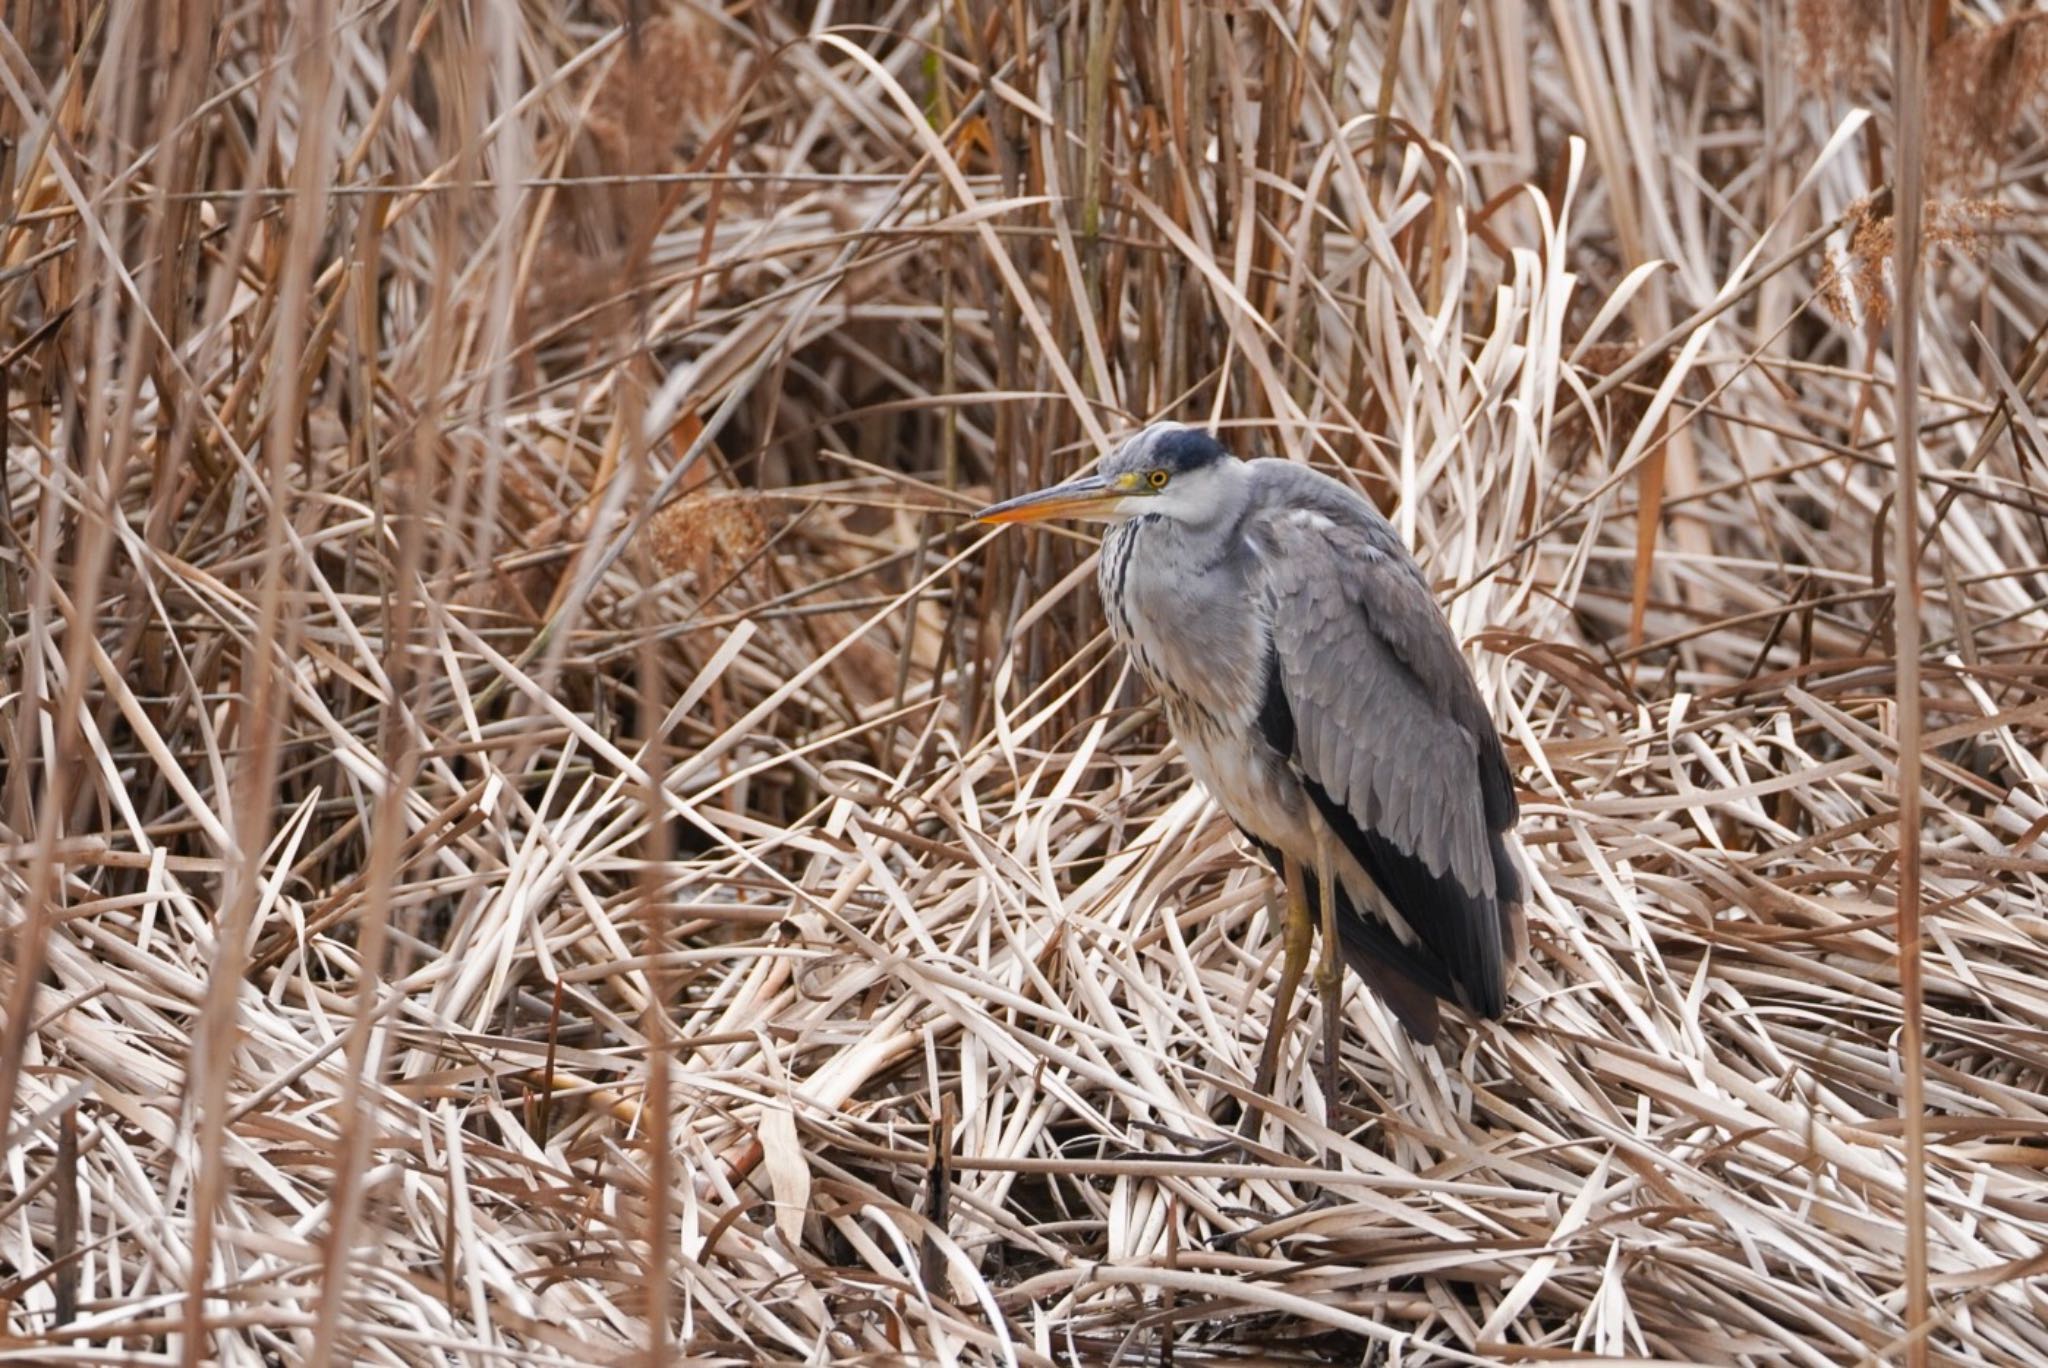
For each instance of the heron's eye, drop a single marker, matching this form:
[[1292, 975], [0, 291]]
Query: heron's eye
[[1157, 479]]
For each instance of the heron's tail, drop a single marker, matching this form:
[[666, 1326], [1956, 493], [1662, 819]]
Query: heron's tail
[[1409, 981]]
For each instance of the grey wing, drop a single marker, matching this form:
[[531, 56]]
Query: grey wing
[[1389, 730]]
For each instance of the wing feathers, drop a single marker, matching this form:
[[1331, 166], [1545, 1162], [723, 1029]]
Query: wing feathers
[[1389, 730], [1462, 929]]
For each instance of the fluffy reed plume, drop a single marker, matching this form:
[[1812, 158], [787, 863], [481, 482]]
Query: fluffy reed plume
[[1987, 81], [530, 831]]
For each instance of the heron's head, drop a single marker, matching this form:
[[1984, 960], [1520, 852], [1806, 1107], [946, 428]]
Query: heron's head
[[1171, 469]]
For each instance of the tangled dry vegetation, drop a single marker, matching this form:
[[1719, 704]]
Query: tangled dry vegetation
[[533, 832]]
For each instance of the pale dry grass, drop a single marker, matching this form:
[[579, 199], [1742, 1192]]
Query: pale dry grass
[[533, 832]]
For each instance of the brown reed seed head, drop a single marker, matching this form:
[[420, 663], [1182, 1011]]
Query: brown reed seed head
[[712, 535], [1984, 86], [1838, 40], [1856, 282]]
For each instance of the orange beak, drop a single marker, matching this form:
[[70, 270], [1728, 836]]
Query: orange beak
[[1091, 496]]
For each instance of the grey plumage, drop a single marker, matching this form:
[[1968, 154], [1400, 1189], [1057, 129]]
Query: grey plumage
[[1318, 694]]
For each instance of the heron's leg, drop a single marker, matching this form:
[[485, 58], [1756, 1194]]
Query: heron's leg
[[1300, 929], [1329, 971]]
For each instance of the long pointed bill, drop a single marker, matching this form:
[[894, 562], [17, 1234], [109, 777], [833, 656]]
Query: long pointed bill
[[1091, 496]]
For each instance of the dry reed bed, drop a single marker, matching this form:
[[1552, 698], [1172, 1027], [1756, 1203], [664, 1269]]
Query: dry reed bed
[[403, 750]]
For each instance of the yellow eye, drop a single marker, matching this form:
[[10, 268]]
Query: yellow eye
[[1157, 479]]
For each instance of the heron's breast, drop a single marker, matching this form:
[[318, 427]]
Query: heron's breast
[[1254, 786], [1194, 628]]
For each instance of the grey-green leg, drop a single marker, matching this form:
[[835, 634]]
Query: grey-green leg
[[1300, 930], [1329, 974]]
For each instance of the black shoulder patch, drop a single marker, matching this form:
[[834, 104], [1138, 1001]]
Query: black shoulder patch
[[1276, 719]]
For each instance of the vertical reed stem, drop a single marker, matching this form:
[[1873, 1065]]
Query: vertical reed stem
[[1909, 53]]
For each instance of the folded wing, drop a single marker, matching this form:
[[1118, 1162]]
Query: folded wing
[[1390, 734]]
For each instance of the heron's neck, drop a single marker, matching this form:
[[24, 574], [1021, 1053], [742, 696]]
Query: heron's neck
[[1184, 610]]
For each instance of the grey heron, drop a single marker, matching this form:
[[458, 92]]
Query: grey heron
[[1319, 695]]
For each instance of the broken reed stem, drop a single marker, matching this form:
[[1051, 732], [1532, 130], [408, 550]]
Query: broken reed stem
[[1909, 54], [1383, 108], [939, 1193], [658, 1133]]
